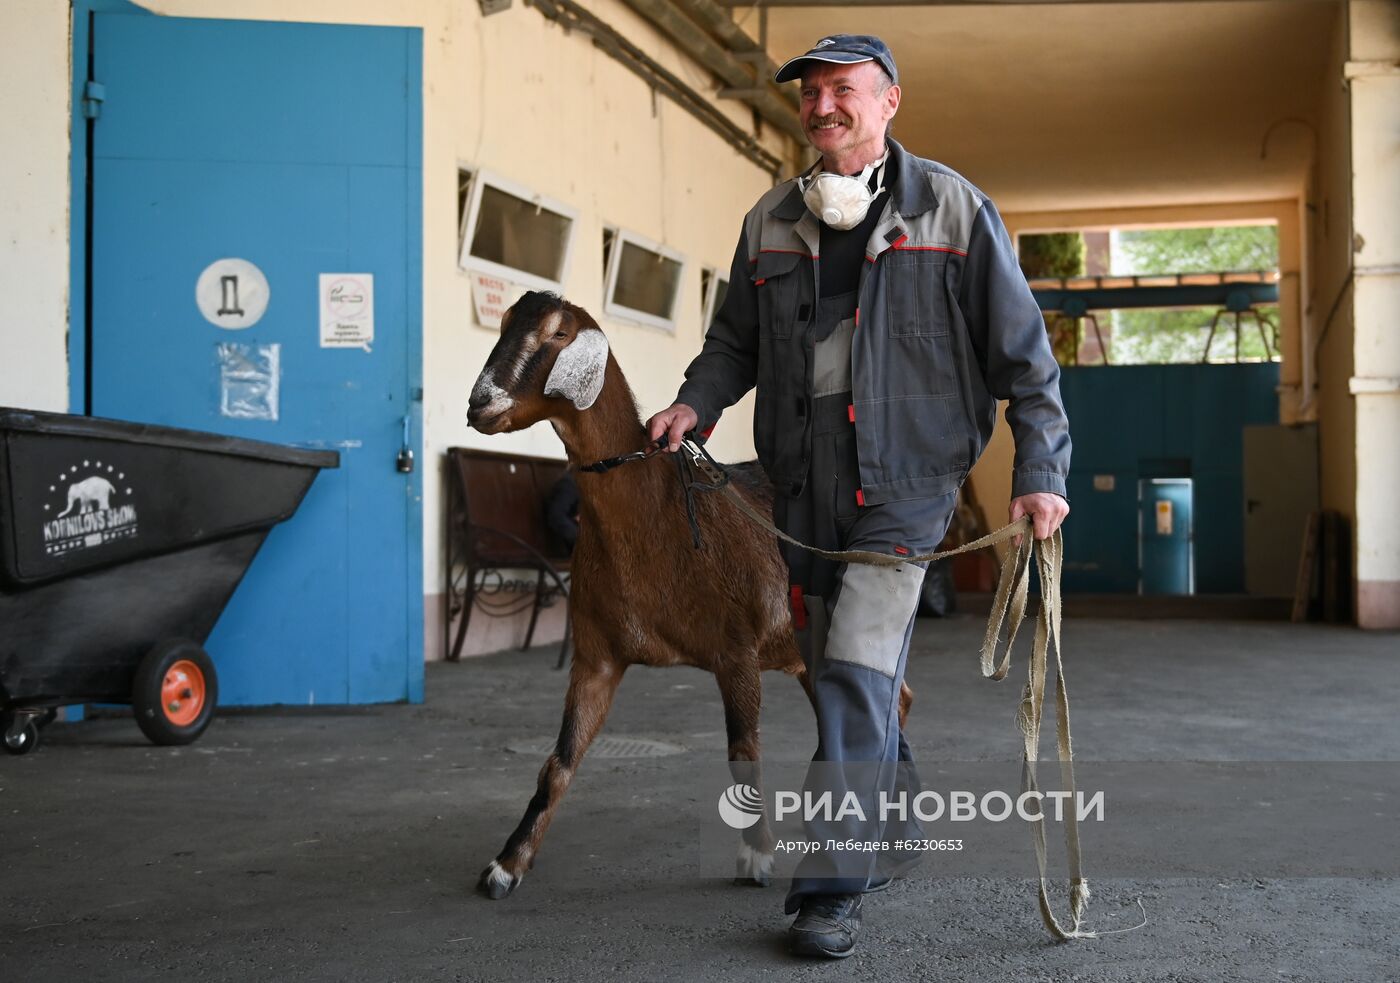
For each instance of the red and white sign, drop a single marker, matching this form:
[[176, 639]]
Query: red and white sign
[[492, 297], [347, 310]]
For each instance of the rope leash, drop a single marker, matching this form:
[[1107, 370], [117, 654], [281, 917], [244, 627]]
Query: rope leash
[[1009, 608]]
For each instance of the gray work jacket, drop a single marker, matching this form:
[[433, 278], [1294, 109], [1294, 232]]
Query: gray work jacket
[[946, 326]]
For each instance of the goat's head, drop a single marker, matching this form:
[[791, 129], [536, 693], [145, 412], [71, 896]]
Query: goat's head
[[551, 356]]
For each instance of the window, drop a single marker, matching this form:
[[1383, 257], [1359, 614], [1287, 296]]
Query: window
[[1235, 319], [713, 289], [512, 232], [643, 279]]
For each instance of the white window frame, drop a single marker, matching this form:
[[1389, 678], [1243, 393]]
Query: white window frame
[[475, 264], [707, 308], [612, 268]]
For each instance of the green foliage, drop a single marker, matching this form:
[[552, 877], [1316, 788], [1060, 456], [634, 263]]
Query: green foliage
[[1055, 254], [1156, 337], [1142, 337], [1052, 254], [1211, 250]]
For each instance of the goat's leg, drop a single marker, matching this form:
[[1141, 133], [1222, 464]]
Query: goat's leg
[[591, 688], [805, 678], [741, 688]]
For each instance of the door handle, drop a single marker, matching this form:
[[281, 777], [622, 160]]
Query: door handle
[[404, 462]]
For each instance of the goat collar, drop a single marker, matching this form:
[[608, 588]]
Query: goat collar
[[608, 463], [695, 459]]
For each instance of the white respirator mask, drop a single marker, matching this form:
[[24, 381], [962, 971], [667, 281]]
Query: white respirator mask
[[839, 200]]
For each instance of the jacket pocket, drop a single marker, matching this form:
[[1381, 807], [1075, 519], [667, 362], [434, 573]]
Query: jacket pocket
[[915, 283], [777, 281], [917, 437]]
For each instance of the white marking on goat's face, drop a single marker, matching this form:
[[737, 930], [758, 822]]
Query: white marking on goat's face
[[526, 344], [491, 399], [496, 392], [544, 351]]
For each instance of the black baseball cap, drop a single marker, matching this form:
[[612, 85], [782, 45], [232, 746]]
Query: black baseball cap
[[842, 49]]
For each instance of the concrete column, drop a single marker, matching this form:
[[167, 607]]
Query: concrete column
[[1373, 77]]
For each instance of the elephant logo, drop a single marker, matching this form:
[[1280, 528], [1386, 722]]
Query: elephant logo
[[97, 508], [88, 494]]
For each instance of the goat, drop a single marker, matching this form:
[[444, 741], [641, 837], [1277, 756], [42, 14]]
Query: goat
[[553, 363]]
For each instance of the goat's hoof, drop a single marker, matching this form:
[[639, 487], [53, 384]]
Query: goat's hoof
[[496, 882], [754, 868]]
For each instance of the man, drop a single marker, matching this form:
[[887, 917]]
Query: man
[[561, 510], [877, 305]]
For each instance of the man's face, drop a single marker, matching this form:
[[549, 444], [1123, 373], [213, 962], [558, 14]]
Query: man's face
[[844, 111]]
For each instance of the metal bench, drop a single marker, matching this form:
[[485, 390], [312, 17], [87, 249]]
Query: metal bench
[[495, 522]]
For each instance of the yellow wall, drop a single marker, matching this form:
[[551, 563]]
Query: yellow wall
[[1329, 291], [34, 99]]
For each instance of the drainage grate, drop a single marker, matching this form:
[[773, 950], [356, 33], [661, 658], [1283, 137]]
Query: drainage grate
[[603, 747]]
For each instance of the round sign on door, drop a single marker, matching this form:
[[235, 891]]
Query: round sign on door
[[232, 293]]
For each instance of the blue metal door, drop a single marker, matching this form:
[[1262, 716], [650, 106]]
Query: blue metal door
[[1164, 536], [291, 151]]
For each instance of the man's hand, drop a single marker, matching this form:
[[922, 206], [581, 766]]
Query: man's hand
[[1047, 510], [673, 421]]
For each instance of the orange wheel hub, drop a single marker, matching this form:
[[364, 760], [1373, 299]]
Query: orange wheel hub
[[182, 693]]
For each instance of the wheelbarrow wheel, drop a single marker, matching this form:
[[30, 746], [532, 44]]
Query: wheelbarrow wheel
[[24, 740], [174, 692]]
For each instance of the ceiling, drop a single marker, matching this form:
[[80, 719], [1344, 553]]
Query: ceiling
[[1059, 106]]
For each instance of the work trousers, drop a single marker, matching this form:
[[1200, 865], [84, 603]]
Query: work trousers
[[853, 626], [854, 622]]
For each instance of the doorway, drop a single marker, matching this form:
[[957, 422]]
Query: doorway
[[253, 268], [1166, 548]]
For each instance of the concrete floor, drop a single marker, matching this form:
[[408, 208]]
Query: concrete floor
[[343, 845]]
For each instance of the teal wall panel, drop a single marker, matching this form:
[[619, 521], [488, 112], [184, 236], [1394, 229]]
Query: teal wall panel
[[1160, 420], [1095, 563], [1219, 517]]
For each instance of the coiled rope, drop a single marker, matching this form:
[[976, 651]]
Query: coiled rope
[[1009, 609]]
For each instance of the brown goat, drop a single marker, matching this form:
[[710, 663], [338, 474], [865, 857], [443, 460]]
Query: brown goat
[[634, 548]]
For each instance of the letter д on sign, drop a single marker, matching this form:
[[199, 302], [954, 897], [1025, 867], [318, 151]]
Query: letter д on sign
[[232, 293]]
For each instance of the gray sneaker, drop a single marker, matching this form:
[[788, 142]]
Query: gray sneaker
[[826, 926]]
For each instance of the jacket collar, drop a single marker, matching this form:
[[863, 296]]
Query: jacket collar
[[911, 196]]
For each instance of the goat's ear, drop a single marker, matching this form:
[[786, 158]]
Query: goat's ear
[[578, 370]]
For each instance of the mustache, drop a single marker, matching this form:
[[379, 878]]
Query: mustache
[[824, 120]]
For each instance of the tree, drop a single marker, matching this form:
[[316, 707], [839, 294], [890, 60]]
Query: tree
[[1158, 336], [1055, 254]]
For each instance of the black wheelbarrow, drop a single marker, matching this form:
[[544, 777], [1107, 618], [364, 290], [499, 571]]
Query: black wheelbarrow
[[120, 545]]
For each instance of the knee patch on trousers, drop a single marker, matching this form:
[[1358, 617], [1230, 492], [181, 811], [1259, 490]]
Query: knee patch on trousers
[[872, 614]]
